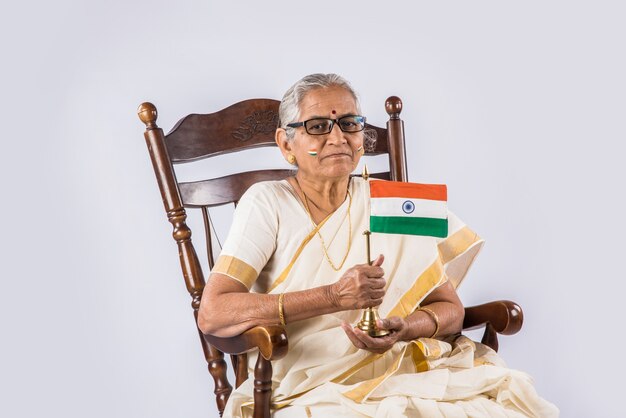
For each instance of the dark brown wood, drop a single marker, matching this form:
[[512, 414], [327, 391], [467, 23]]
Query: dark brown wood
[[206, 217], [228, 189], [241, 369], [499, 317], [271, 340], [395, 130], [490, 337], [262, 387], [244, 125], [217, 369]]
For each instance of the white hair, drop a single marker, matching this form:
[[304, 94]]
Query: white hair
[[289, 109]]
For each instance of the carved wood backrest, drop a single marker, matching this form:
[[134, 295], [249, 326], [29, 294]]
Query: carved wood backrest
[[242, 126]]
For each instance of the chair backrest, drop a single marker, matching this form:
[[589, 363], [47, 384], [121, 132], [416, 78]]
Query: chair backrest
[[242, 126]]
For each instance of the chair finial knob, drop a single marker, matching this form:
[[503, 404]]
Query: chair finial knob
[[147, 112], [393, 106]]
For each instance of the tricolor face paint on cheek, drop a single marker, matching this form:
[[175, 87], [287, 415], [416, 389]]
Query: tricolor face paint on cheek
[[312, 152]]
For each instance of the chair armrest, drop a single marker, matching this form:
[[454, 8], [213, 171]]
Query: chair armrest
[[505, 317], [271, 341]]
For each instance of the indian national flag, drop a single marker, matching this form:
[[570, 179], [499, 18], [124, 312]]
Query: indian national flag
[[408, 208]]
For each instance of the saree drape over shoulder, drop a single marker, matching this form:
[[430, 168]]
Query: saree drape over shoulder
[[273, 247]]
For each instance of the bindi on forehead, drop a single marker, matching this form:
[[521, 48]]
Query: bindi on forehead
[[334, 112]]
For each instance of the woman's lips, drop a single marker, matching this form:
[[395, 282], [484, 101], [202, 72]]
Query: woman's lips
[[338, 155]]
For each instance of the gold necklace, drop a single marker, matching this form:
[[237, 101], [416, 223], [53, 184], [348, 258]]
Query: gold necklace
[[345, 257]]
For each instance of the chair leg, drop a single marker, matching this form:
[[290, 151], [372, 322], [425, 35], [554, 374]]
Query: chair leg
[[490, 337], [241, 369], [217, 369], [262, 387]]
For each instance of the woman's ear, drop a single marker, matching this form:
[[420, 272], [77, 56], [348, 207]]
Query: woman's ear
[[283, 143]]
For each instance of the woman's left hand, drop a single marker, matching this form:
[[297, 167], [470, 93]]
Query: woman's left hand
[[398, 327]]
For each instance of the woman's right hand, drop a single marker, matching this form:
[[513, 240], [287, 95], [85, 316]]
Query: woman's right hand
[[361, 286]]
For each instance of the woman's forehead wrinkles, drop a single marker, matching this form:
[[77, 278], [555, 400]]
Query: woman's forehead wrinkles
[[335, 105]]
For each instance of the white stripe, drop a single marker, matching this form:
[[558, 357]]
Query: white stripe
[[424, 208]]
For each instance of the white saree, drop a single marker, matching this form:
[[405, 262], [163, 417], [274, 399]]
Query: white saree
[[273, 248]]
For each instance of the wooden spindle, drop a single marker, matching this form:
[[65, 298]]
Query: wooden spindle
[[395, 132], [240, 366], [262, 387]]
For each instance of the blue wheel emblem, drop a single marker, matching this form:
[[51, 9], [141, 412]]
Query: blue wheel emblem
[[408, 206]]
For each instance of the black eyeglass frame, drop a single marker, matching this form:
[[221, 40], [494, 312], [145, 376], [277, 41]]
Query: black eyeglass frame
[[332, 124]]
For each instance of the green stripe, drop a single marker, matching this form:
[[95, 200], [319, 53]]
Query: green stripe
[[432, 227]]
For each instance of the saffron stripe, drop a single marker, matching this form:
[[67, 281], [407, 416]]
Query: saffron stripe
[[433, 227], [381, 188]]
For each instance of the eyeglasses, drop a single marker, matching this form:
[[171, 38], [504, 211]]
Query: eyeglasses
[[322, 126]]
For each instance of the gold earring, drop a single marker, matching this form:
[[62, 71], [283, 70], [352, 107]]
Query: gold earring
[[291, 159]]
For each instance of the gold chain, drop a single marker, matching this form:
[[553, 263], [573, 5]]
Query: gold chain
[[306, 206]]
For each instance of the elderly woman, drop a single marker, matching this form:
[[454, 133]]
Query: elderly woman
[[296, 255]]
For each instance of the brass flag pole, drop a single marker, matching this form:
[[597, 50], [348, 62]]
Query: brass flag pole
[[368, 320]]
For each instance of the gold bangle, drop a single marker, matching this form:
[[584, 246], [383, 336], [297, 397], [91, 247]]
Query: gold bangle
[[435, 318], [281, 310]]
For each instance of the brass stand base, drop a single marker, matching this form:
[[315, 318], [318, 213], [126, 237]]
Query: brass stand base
[[368, 325]]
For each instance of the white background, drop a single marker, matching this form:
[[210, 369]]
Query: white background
[[518, 106]]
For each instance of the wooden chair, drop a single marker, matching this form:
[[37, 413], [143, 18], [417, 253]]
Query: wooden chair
[[246, 125]]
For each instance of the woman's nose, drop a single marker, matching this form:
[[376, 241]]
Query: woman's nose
[[336, 135]]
